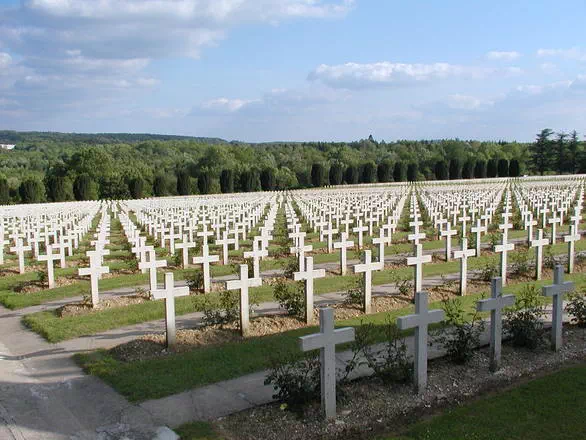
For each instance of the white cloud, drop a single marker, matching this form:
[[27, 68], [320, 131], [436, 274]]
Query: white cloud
[[574, 53], [227, 105], [465, 102], [5, 60], [356, 75], [503, 55]]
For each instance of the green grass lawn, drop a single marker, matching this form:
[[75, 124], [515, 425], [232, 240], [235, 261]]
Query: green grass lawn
[[151, 379], [549, 408]]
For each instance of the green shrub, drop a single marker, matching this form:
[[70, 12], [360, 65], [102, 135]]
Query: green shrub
[[521, 265], [523, 321], [355, 293], [296, 382], [489, 270], [576, 308], [195, 281], [291, 297], [462, 335]]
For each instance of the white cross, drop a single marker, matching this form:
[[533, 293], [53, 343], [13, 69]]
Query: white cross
[[169, 293], [382, 240], [243, 284], [326, 340], [95, 271], [309, 275], [503, 248], [49, 258], [420, 322], [448, 233], [478, 230], [367, 267], [300, 250], [418, 261], [554, 221], [557, 292], [571, 239], [205, 261], [329, 232], [343, 245], [152, 266], [185, 245], [20, 249], [539, 243], [205, 234], [225, 241], [256, 254], [529, 223], [360, 229], [495, 305], [463, 256]]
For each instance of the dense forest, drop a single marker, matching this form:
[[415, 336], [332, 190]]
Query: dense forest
[[60, 166]]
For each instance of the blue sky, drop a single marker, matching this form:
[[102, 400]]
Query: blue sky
[[263, 70]]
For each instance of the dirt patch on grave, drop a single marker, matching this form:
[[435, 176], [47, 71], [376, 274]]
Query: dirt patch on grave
[[372, 408], [85, 307]]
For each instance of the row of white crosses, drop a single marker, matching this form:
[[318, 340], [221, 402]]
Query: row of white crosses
[[96, 256], [328, 337]]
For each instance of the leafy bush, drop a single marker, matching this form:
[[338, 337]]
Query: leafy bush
[[462, 336], [494, 239], [355, 293], [42, 277], [550, 261], [296, 382], [522, 321], [489, 270], [291, 266], [390, 363], [576, 308], [225, 309], [195, 281], [291, 297], [405, 286], [521, 265]]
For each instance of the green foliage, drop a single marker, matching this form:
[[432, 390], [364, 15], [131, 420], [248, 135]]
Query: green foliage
[[296, 382], [291, 297], [441, 170], [4, 191], [58, 188], [489, 270], [390, 363], [268, 179], [31, 190], [412, 172], [195, 280], [521, 264], [480, 169], [384, 172], [354, 295], [336, 174], [351, 175], [368, 173], [400, 172], [85, 188], [455, 169], [223, 311], [183, 183], [136, 188], [227, 181], [492, 168], [160, 186], [462, 335], [503, 168], [318, 174], [523, 321], [514, 168], [204, 182], [576, 308]]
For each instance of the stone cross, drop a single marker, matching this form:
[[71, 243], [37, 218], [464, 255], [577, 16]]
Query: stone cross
[[169, 293], [20, 249], [529, 223], [205, 234], [420, 322], [478, 230], [557, 292], [309, 275], [463, 256], [95, 271], [503, 248], [185, 245], [300, 250], [205, 261], [3, 242], [243, 284], [360, 229], [367, 267], [225, 241], [418, 261], [152, 266], [571, 239], [343, 245], [539, 243], [554, 221], [448, 233], [49, 258], [495, 305], [326, 340], [330, 233], [256, 254]]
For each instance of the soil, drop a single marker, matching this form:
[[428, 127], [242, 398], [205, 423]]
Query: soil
[[375, 408], [85, 307]]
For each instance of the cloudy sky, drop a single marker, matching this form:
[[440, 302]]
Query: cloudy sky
[[262, 70]]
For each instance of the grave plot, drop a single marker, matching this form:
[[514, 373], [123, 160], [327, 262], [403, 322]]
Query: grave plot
[[182, 292]]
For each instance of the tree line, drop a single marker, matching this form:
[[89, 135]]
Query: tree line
[[60, 168]]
